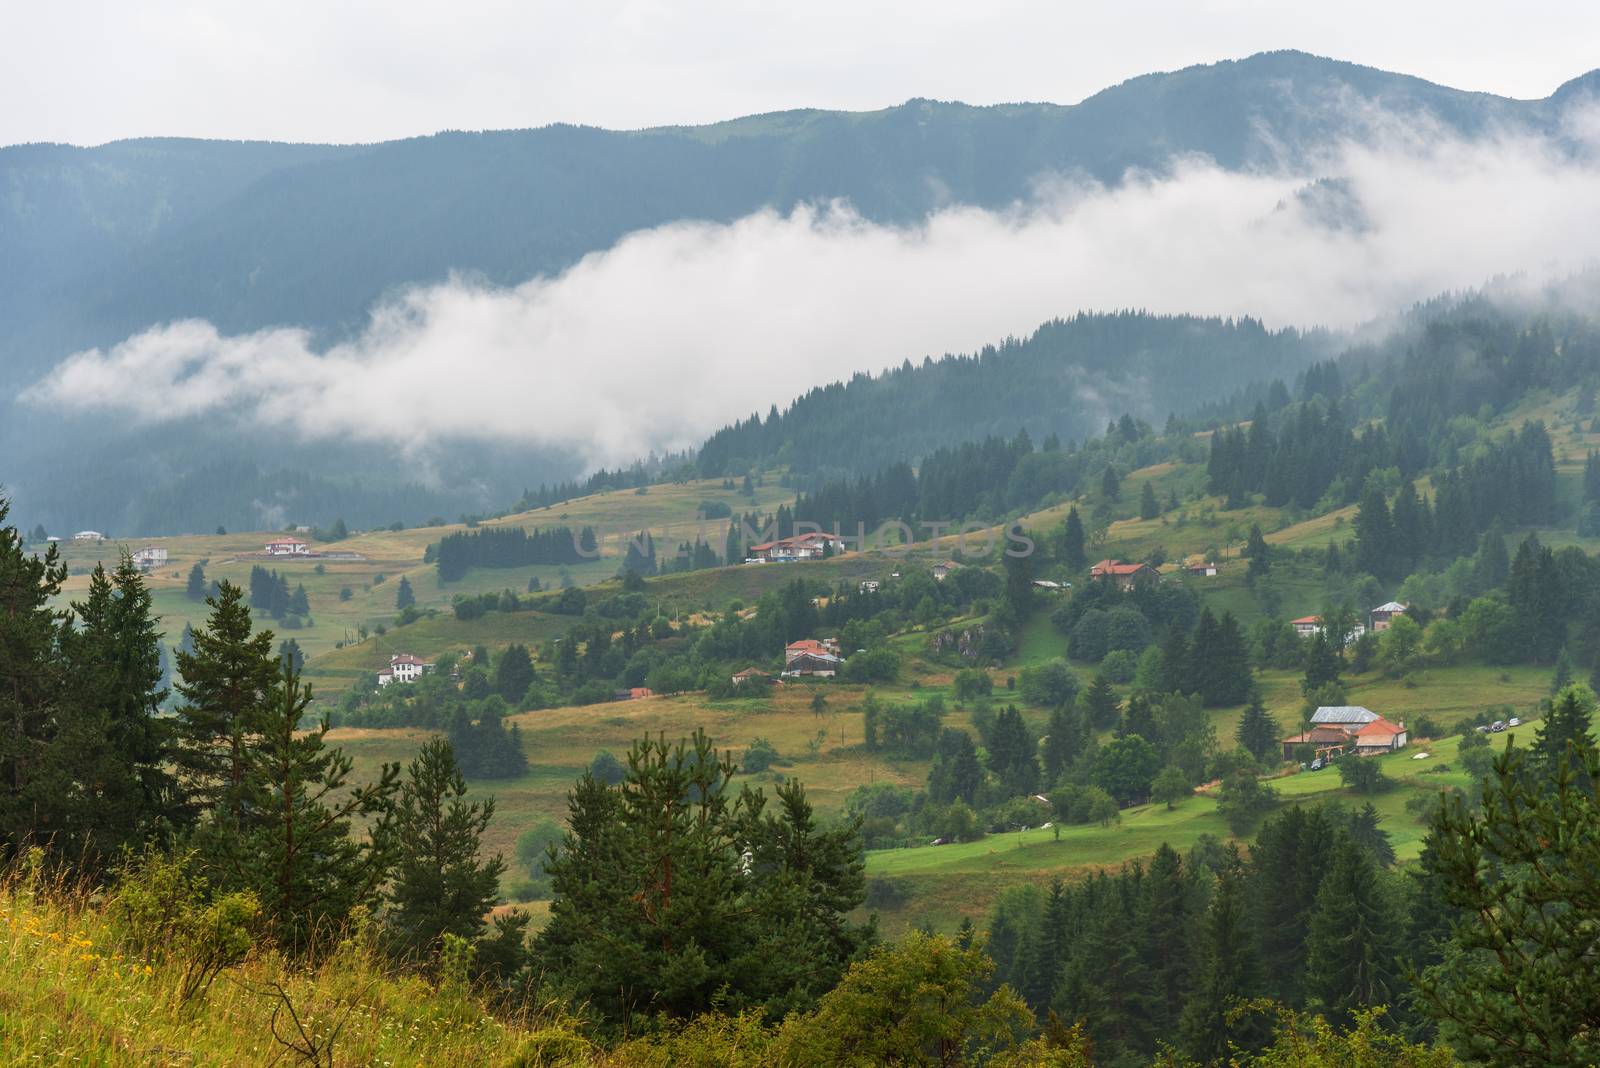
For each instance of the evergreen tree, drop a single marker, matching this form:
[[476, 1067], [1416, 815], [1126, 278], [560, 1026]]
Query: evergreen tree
[[1011, 754], [1070, 735], [403, 596], [513, 674], [31, 677], [1165, 930], [1258, 553], [227, 685], [1323, 664], [122, 751], [298, 604], [1227, 973], [1177, 667], [1018, 568], [441, 886], [1149, 507], [1072, 543], [1351, 938], [294, 846], [956, 772], [1110, 484], [1099, 703], [1492, 563], [1563, 733], [1374, 535], [1258, 732], [195, 589]]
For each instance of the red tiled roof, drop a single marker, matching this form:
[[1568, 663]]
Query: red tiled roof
[[1306, 619], [1116, 567], [1380, 726]]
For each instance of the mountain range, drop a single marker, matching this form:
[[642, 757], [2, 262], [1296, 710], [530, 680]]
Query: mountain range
[[98, 243]]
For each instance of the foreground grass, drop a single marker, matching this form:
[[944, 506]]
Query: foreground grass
[[68, 995]]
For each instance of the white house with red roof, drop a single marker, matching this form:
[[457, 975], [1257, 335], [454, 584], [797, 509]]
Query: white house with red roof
[[1379, 737], [287, 547], [403, 668]]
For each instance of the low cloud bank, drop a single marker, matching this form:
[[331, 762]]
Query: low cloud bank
[[677, 330]]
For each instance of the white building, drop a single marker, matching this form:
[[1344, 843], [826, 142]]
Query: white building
[[150, 557], [88, 535], [403, 668], [287, 547]]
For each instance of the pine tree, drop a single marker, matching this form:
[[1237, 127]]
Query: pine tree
[[514, 674], [403, 596], [294, 845], [1099, 703], [1351, 938], [1258, 553], [1374, 535], [1258, 732], [1165, 931], [109, 764], [1069, 736], [1149, 507], [1493, 563], [195, 589], [1564, 730], [441, 886], [1177, 663], [227, 684], [1072, 543], [1323, 664], [1227, 973], [1110, 484]]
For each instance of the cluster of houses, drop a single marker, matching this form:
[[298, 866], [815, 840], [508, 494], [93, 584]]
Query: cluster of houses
[[1339, 729], [1382, 618], [808, 658], [1127, 575], [403, 667]]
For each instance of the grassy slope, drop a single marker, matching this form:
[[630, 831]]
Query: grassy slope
[[669, 511]]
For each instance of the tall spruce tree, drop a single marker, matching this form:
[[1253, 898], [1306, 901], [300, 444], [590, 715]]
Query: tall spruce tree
[[1072, 542], [1227, 973], [1149, 507], [441, 885], [1352, 938], [404, 596], [294, 844], [110, 763], [195, 588], [1258, 553], [1258, 732], [228, 684], [31, 676]]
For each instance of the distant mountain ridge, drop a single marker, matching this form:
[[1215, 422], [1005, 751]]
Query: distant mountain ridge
[[99, 243]]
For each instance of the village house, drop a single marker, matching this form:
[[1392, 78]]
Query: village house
[[941, 570], [88, 535], [287, 547], [810, 546], [870, 586], [403, 667], [1326, 742], [812, 665], [1125, 575], [1203, 570], [1337, 729], [633, 693], [1379, 737], [150, 557], [1310, 626], [829, 646], [1050, 586], [749, 675], [1384, 614]]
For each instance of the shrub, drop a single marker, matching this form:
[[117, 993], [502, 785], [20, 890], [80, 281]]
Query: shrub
[[1363, 775], [607, 768], [761, 755], [1048, 684], [1120, 665]]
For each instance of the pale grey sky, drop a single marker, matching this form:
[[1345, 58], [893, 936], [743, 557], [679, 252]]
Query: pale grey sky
[[88, 71]]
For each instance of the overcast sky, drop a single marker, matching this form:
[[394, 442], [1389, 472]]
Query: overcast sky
[[363, 70]]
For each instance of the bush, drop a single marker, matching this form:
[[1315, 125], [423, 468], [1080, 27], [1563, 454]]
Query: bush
[[160, 911], [761, 755], [607, 768], [1363, 775], [1120, 665], [885, 892], [1049, 684], [876, 665]]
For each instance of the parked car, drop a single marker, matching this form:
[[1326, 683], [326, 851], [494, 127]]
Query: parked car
[[1514, 722], [1316, 765], [1497, 726]]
